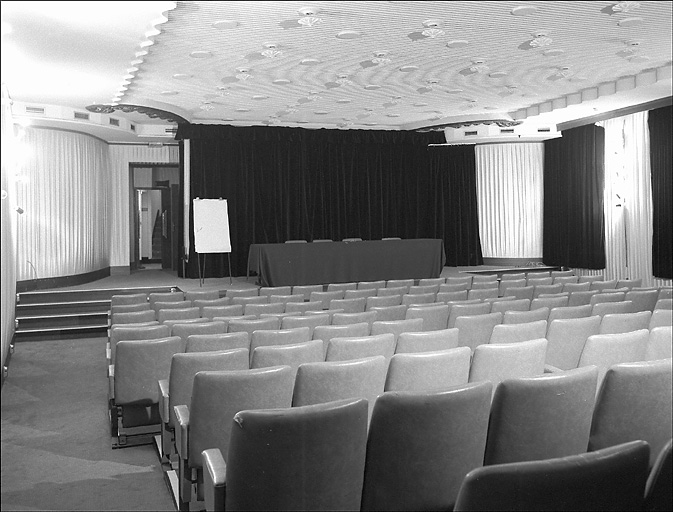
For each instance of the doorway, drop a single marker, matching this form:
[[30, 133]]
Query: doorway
[[154, 213]]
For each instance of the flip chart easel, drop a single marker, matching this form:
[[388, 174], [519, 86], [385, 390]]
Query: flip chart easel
[[211, 231]]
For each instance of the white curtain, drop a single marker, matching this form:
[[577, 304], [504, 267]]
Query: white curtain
[[65, 197], [628, 199], [121, 155], [509, 198], [7, 225]]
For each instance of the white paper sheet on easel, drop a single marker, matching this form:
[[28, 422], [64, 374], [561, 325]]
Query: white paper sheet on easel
[[211, 226]]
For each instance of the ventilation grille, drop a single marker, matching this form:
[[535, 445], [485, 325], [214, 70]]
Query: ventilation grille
[[133, 127], [471, 133], [114, 122], [82, 115], [507, 130], [172, 130], [544, 129], [34, 110]]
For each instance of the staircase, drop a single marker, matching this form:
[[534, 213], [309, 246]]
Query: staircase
[[42, 315]]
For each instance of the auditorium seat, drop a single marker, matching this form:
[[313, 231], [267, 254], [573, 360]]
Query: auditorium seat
[[349, 305], [455, 287], [475, 308], [119, 332], [466, 279], [229, 318], [268, 337], [539, 281], [605, 308], [576, 287], [126, 299], [634, 402], [275, 290], [509, 283], [213, 311], [201, 303], [382, 301], [327, 332], [178, 314], [310, 321], [435, 318], [390, 313], [328, 381], [484, 285], [196, 320], [176, 296], [606, 350], [397, 326], [549, 302], [603, 285], [513, 276], [359, 347], [665, 292], [254, 299], [562, 273], [355, 239], [258, 309], [609, 479], [484, 278], [193, 295], [664, 304], [427, 371], [253, 324], [569, 312], [659, 343], [566, 338], [521, 292], [217, 342], [624, 322], [302, 307], [305, 290], [451, 296], [292, 355], [658, 489], [133, 394], [517, 317], [242, 292], [360, 293], [503, 306], [176, 389], [421, 446], [295, 241], [427, 341], [566, 280], [423, 289], [392, 290], [325, 297], [500, 361], [371, 285], [540, 417], [474, 330], [354, 318], [485, 293], [207, 421], [643, 300], [186, 330], [581, 298], [419, 298], [513, 333], [629, 283], [661, 318], [546, 288], [400, 283], [331, 287], [302, 458], [130, 308], [182, 304], [612, 296], [134, 317]]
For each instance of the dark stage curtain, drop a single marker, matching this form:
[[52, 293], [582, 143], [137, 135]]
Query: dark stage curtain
[[574, 178], [659, 123], [292, 183]]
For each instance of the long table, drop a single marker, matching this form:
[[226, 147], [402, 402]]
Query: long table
[[344, 262]]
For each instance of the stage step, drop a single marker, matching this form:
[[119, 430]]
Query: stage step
[[42, 315]]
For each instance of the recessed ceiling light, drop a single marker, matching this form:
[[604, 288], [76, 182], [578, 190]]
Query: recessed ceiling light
[[454, 91], [370, 124], [181, 76], [349, 34], [420, 104], [431, 23], [393, 115], [201, 54], [242, 110], [281, 81], [321, 112], [407, 69], [343, 101], [630, 22], [523, 10], [490, 108], [225, 24], [309, 62], [372, 87], [498, 74], [552, 52], [457, 43], [169, 93], [260, 97]]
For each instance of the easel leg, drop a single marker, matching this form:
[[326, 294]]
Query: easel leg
[[229, 258]]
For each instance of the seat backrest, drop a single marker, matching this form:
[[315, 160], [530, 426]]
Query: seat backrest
[[397, 326], [541, 417], [302, 458], [518, 317], [371, 285], [426, 341], [335, 380], [658, 489], [610, 284], [566, 280], [604, 308], [424, 371], [608, 479], [512, 333], [576, 287], [270, 337], [484, 293], [546, 288], [306, 289], [441, 435], [242, 292], [431, 281], [341, 286], [126, 299], [178, 314], [179, 304], [478, 308], [275, 290], [193, 295], [129, 332], [392, 290], [218, 395], [133, 317], [465, 279], [566, 338], [310, 321], [284, 299], [605, 350], [383, 301], [418, 298], [354, 318], [389, 313], [549, 302], [221, 310], [444, 296], [613, 323], [252, 299], [253, 324], [129, 308], [501, 361], [176, 296], [397, 283], [665, 292], [591, 279], [185, 365], [326, 296], [664, 304], [292, 355], [327, 332], [634, 402], [581, 298], [303, 307], [360, 292], [454, 287], [435, 318], [359, 347], [661, 318], [139, 364], [216, 342], [569, 312], [510, 305], [356, 305], [201, 303], [510, 283], [643, 300], [659, 343], [610, 296], [535, 281], [513, 276], [258, 309], [186, 330], [423, 289], [484, 278], [476, 330], [562, 273]]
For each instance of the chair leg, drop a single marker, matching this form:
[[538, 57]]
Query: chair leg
[[166, 443], [185, 485]]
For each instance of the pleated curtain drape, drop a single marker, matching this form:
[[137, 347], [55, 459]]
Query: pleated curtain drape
[[292, 183], [659, 124], [573, 222], [509, 187]]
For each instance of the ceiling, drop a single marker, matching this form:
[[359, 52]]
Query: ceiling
[[399, 65]]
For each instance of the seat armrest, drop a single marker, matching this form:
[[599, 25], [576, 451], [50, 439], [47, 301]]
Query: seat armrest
[[111, 381], [214, 479], [182, 430], [163, 400], [551, 369]]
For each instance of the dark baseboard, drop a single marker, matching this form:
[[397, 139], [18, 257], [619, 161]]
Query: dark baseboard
[[59, 282], [514, 262], [121, 270]]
